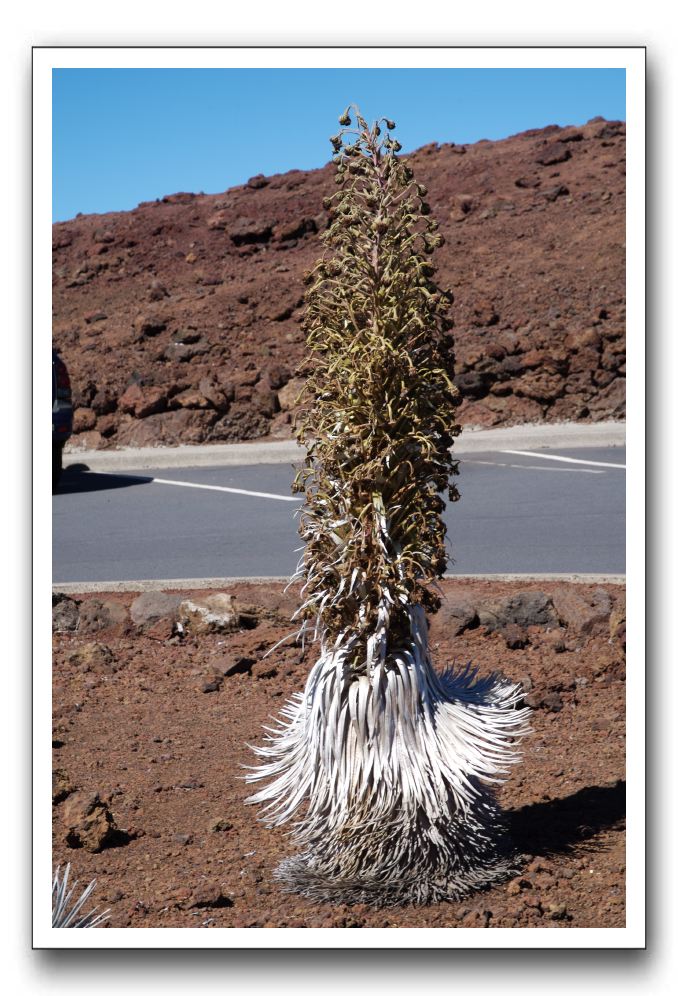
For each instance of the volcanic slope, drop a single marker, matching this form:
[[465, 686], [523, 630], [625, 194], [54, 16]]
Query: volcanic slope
[[180, 320]]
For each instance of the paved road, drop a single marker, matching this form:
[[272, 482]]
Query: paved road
[[520, 512]]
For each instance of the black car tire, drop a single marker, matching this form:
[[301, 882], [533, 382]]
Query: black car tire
[[57, 465]]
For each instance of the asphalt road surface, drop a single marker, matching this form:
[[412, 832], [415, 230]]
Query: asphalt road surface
[[555, 511]]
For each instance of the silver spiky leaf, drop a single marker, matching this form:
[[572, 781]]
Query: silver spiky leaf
[[67, 911], [394, 769]]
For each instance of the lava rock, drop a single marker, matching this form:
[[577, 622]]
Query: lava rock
[[61, 786], [257, 182], [94, 657], [84, 419], [455, 616], [142, 401], [553, 193], [526, 608], [151, 606], [209, 897], [554, 153], [88, 822], [296, 229], [242, 665], [101, 614], [515, 637], [583, 612], [249, 231], [220, 826], [287, 395], [150, 326], [184, 352], [215, 613], [528, 182], [65, 613], [473, 384]]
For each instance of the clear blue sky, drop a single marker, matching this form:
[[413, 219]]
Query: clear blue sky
[[121, 136]]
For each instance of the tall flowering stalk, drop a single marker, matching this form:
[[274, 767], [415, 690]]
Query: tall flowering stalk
[[386, 762]]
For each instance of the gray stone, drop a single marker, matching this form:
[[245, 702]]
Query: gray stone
[[526, 608], [153, 605], [65, 614]]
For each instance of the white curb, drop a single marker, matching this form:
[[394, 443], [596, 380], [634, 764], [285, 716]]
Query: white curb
[[185, 584], [472, 440]]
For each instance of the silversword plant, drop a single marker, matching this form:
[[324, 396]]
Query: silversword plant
[[386, 764], [67, 911]]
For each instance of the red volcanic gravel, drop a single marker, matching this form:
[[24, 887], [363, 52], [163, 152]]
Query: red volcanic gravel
[[150, 734]]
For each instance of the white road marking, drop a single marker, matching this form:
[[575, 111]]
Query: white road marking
[[554, 470], [218, 487], [551, 456], [529, 466]]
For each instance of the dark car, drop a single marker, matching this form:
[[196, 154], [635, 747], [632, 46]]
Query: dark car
[[62, 414]]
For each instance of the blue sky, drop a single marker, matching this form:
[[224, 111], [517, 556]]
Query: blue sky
[[121, 136]]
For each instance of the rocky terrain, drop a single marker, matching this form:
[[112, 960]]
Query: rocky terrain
[[157, 695], [180, 320]]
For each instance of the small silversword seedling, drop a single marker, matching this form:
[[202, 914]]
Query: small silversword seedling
[[67, 911], [386, 763]]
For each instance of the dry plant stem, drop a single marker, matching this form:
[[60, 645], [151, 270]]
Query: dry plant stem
[[392, 763]]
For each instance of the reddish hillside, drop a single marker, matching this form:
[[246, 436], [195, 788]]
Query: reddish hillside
[[179, 320]]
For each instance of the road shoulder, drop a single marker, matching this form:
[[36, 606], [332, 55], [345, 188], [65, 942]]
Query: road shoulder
[[472, 440]]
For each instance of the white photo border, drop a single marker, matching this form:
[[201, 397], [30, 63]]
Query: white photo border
[[632, 59]]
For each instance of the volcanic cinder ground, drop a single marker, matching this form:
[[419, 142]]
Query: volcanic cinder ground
[[150, 736]]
